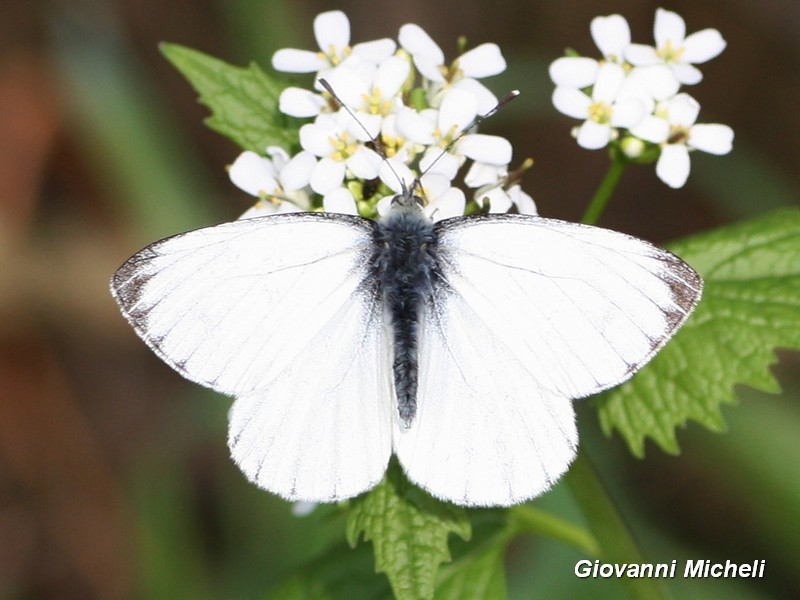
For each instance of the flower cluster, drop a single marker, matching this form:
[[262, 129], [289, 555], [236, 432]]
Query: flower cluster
[[410, 108], [631, 96]]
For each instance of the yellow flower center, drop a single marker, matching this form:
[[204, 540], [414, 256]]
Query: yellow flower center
[[375, 104], [333, 56], [668, 53], [343, 146], [600, 112]]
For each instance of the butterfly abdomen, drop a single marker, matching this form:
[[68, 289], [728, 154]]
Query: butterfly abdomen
[[405, 265]]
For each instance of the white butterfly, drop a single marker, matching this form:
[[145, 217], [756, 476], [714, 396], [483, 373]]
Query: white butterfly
[[458, 346]]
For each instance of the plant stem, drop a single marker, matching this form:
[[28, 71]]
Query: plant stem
[[610, 531], [527, 519], [606, 188]]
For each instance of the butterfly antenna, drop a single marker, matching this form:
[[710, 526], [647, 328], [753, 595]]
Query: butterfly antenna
[[376, 141]]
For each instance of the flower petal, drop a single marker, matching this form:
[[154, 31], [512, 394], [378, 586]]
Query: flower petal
[[457, 110], [673, 165], [429, 68], [593, 135], [482, 61], [652, 129], [364, 163], [416, 41], [450, 204], [572, 102], [481, 174], [523, 201], [438, 162], [414, 126], [396, 174], [279, 156], [433, 185], [253, 173], [327, 175], [659, 80], [297, 102], [574, 71], [350, 85], [340, 200], [669, 27], [712, 138], [296, 173], [392, 74], [375, 51], [683, 110], [612, 35], [292, 60], [332, 31], [641, 55], [498, 199], [489, 149], [702, 46], [486, 100], [686, 73], [316, 139], [365, 128], [628, 112], [610, 77]]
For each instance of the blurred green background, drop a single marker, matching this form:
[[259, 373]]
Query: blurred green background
[[115, 480]]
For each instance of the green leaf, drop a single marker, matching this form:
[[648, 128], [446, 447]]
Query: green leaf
[[243, 100], [341, 573], [477, 570], [408, 530], [750, 305]]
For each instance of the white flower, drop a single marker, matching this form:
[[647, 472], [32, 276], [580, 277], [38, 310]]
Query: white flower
[[612, 35], [276, 181], [603, 111], [339, 151], [332, 32], [418, 149], [479, 62], [371, 98], [673, 127], [677, 50], [438, 129]]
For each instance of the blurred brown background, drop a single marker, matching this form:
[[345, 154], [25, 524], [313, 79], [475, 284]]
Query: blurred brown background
[[114, 475]]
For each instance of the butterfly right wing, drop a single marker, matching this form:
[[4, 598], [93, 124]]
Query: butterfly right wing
[[278, 312]]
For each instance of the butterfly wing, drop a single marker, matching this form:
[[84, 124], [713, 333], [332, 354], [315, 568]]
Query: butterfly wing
[[530, 314], [278, 312]]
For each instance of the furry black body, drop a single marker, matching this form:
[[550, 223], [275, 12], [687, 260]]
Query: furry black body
[[406, 267]]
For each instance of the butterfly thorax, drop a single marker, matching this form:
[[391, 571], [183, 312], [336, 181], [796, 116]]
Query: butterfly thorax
[[406, 266]]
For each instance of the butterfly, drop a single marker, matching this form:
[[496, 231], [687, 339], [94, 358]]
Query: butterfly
[[459, 346]]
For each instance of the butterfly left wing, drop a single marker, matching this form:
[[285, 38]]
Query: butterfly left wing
[[278, 312], [529, 314]]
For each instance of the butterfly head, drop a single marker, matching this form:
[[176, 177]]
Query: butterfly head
[[407, 198]]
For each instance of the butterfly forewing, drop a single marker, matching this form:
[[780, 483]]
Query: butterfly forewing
[[278, 311], [583, 307], [528, 314]]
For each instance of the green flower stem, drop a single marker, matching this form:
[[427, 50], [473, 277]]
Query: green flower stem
[[527, 519], [606, 188], [616, 544]]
